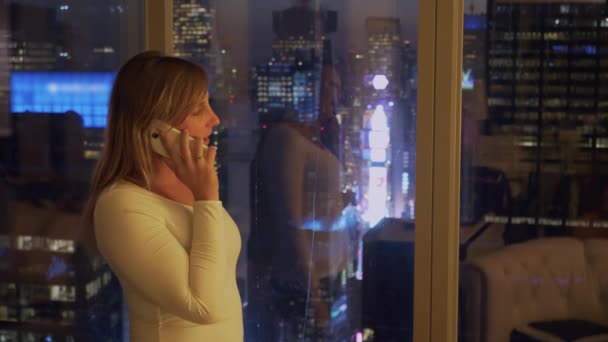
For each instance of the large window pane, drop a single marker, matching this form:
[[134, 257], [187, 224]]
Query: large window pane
[[316, 159], [534, 176], [57, 63]]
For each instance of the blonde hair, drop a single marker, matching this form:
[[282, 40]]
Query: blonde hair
[[148, 86]]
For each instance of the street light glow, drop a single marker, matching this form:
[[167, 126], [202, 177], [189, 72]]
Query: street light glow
[[380, 82]]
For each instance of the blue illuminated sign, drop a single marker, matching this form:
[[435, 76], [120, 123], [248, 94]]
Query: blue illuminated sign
[[468, 82], [475, 22], [86, 93]]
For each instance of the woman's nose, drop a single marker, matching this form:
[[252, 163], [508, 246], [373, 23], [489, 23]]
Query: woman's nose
[[215, 119]]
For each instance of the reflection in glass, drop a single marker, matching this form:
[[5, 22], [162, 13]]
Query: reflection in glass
[[534, 173], [334, 157], [57, 61], [321, 96]]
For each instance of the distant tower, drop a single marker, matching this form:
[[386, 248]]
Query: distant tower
[[546, 73], [388, 123], [290, 83], [193, 34]]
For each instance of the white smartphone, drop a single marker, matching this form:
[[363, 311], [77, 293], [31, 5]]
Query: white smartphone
[[173, 137]]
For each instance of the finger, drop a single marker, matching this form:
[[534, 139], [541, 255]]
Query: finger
[[197, 148], [210, 158], [185, 146]]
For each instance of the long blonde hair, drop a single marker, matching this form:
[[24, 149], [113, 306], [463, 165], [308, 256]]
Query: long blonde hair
[[148, 86]]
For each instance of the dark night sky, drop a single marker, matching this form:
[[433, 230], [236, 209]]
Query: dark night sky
[[246, 25]]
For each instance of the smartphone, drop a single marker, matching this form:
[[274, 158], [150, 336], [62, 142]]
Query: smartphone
[[173, 137]]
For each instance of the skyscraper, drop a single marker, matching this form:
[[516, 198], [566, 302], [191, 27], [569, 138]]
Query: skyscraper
[[547, 82], [193, 34], [351, 116], [384, 44], [549, 72], [35, 45], [301, 31], [50, 289], [290, 83], [296, 101], [388, 120], [84, 35], [287, 90]]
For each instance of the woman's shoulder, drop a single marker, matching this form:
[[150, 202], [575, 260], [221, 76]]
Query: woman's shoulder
[[125, 195], [121, 189]]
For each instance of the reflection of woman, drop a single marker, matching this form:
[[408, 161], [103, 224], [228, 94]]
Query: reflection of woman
[[306, 248], [158, 221]]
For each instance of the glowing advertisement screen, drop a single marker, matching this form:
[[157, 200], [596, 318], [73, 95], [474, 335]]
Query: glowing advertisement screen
[[376, 196], [377, 187], [86, 93]]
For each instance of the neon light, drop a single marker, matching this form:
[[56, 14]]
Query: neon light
[[380, 82], [475, 22], [379, 120], [405, 182], [378, 139], [376, 195], [86, 93], [377, 155], [467, 79]]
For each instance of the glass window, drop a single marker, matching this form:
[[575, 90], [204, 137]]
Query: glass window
[[57, 63], [318, 109], [534, 186]]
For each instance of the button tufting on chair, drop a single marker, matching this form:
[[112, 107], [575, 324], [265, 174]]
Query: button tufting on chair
[[547, 279]]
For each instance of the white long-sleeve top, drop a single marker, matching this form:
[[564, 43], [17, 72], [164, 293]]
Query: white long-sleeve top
[[175, 263]]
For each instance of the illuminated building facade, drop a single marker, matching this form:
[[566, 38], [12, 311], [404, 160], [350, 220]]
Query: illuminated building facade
[[546, 85], [388, 124], [351, 117], [193, 31], [300, 33], [82, 35], [474, 52], [49, 288], [56, 56], [290, 83], [287, 89], [35, 46], [547, 67]]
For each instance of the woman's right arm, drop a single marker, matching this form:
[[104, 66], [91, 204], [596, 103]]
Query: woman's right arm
[[141, 250]]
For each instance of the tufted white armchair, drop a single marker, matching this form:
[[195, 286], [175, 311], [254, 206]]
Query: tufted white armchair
[[550, 279]]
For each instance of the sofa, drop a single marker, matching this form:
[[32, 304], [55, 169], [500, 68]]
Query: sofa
[[549, 289]]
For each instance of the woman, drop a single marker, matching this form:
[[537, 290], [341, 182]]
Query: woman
[[158, 221]]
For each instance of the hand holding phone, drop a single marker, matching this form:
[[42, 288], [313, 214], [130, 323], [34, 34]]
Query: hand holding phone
[[173, 137], [199, 174]]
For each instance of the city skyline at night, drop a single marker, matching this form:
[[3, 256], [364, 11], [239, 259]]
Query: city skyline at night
[[317, 148]]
